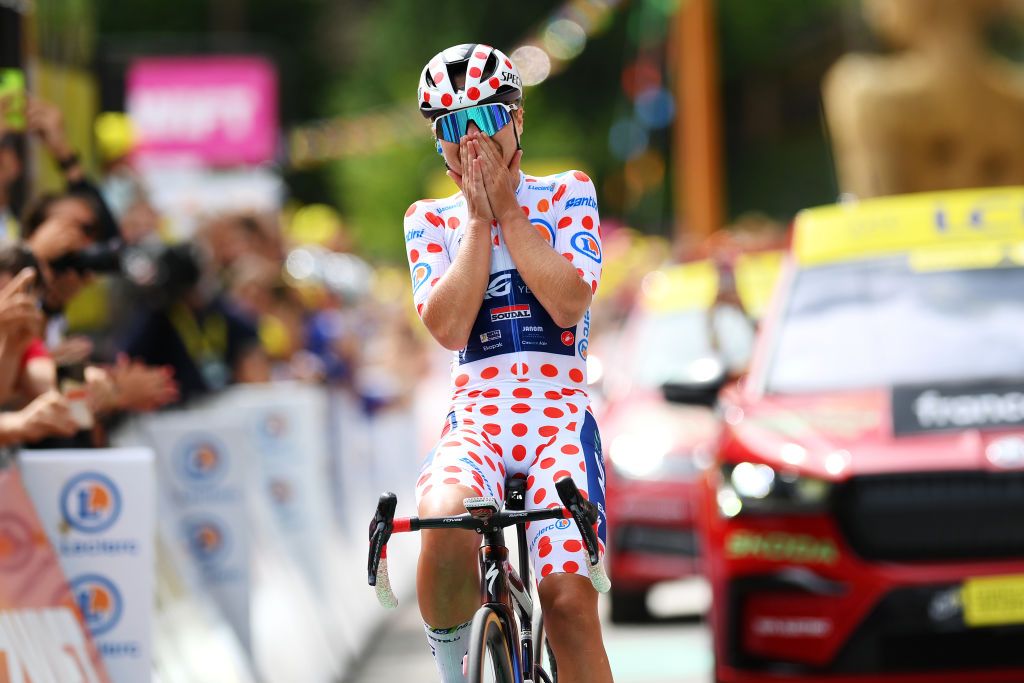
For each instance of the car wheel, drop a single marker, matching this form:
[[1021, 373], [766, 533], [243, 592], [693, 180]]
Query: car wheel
[[629, 607]]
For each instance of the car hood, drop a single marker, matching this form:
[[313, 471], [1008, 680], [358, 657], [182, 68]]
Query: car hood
[[648, 416], [839, 435]]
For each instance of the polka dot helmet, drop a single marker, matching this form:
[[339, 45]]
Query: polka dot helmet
[[490, 77]]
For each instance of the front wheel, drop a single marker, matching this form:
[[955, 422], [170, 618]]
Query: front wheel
[[490, 660]]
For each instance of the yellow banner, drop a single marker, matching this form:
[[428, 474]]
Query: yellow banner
[[756, 275], [993, 600], [895, 225], [690, 286]]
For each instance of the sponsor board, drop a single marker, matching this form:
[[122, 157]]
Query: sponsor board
[[41, 636], [938, 408], [98, 509], [777, 546]]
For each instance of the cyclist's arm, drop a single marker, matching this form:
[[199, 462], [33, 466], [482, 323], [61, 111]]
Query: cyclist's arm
[[564, 278], [447, 292]]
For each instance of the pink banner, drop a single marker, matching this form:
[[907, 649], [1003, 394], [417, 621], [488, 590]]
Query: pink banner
[[216, 110]]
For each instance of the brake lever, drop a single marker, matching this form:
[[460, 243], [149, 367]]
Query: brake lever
[[583, 512], [380, 533]]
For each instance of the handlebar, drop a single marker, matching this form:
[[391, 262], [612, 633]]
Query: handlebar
[[384, 524]]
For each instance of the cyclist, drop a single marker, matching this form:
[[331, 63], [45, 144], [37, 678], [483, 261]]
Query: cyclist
[[503, 274]]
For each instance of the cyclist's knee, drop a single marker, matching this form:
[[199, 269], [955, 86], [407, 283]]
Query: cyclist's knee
[[444, 544], [569, 602]]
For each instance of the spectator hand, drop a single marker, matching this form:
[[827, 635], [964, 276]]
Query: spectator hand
[[56, 237], [72, 351], [48, 415], [20, 317], [142, 388], [47, 121]]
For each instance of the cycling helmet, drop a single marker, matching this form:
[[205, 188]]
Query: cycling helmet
[[490, 76]]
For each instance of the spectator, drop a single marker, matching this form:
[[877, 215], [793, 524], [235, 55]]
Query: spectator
[[193, 330]]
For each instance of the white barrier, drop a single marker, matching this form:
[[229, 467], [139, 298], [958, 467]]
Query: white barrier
[[97, 508]]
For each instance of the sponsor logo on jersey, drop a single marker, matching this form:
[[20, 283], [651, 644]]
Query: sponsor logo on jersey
[[568, 338], [533, 328], [447, 208], [413, 235], [510, 312], [584, 243], [581, 201], [499, 286], [419, 275], [490, 336], [543, 188], [562, 524], [545, 229]]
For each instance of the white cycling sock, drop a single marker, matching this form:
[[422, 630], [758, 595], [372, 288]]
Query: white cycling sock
[[449, 646]]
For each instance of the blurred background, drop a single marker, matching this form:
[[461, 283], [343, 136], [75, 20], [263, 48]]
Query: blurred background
[[211, 195]]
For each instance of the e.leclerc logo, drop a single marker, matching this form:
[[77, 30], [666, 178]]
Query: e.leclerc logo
[[207, 539], [584, 243], [419, 275], [202, 461], [99, 601], [90, 502]]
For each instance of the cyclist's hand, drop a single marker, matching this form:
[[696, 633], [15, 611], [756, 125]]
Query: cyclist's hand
[[500, 180], [473, 183]]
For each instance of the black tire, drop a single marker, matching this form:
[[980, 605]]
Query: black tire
[[490, 660], [629, 607], [541, 645]]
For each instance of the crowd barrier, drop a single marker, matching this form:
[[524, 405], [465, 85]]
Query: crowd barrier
[[225, 542]]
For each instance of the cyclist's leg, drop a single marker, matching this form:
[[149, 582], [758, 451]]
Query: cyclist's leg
[[462, 465], [571, 447]]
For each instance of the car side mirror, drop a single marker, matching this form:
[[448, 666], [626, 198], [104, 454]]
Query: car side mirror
[[695, 393]]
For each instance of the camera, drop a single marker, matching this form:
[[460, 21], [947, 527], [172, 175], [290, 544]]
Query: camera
[[104, 257]]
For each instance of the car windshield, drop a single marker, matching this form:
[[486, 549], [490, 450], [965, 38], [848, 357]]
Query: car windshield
[[880, 324], [672, 346]]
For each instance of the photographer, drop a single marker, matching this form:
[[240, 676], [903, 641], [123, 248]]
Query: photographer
[[62, 231], [192, 329]]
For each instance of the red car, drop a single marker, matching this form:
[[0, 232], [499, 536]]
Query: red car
[[864, 517], [657, 449]]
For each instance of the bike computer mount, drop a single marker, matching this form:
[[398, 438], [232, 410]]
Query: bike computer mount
[[482, 507]]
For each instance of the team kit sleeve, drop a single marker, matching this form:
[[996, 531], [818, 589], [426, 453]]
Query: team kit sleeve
[[425, 247], [578, 226]]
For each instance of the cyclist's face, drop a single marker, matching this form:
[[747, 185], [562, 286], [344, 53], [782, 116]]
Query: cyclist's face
[[506, 139]]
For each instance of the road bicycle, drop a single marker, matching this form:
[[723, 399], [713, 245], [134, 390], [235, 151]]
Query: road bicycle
[[494, 655]]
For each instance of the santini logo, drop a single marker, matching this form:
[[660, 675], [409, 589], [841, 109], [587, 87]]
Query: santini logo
[[510, 312], [581, 201]]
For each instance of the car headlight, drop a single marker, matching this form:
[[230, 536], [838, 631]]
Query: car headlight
[[754, 488], [647, 457]]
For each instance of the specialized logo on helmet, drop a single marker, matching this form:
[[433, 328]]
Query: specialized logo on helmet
[[99, 602], [584, 243], [207, 539], [202, 461], [90, 502], [499, 286], [420, 274]]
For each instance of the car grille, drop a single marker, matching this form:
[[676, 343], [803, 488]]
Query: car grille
[[656, 540], [934, 516]]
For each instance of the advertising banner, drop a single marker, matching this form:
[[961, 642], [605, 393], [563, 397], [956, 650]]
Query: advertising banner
[[41, 636], [202, 471], [98, 511], [211, 110]]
